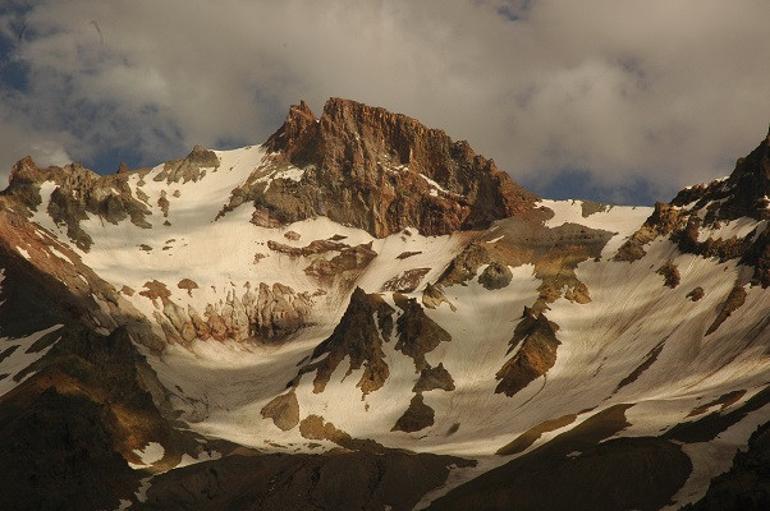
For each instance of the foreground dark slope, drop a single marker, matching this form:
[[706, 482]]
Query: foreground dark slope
[[407, 325]]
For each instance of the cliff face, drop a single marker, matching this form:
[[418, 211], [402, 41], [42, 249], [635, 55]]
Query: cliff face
[[706, 219], [746, 192], [383, 172]]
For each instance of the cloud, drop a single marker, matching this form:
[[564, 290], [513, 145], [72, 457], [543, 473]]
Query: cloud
[[639, 98]]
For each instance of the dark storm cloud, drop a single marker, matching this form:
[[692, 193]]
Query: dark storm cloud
[[657, 93]]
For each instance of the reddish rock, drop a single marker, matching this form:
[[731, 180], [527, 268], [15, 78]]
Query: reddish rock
[[379, 171]]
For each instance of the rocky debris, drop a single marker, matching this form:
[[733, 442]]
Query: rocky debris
[[464, 267], [163, 203], [192, 168], [366, 324], [84, 407], [417, 333], [588, 208], [432, 378], [267, 314], [757, 256], [262, 217], [407, 281], [78, 192], [554, 252], [155, 290], [495, 276], [283, 410], [315, 427], [417, 417], [670, 274], [537, 354], [664, 220], [188, 285], [696, 294], [408, 254], [258, 257], [314, 248], [378, 171], [433, 296], [346, 265], [292, 235], [733, 302], [40, 288]]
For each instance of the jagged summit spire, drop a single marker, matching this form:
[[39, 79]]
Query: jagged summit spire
[[399, 170], [744, 193], [298, 120]]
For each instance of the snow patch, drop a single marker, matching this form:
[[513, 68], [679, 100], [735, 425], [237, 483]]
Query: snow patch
[[20, 359], [24, 253], [203, 456], [151, 453]]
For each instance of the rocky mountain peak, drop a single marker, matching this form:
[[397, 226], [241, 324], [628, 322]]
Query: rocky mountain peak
[[385, 171], [24, 170], [354, 136], [202, 157], [745, 192]]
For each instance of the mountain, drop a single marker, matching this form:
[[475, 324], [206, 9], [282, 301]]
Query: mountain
[[361, 313]]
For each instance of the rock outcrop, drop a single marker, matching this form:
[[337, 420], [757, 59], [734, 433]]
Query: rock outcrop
[[379, 171], [78, 191], [699, 210], [537, 354], [268, 313], [366, 324]]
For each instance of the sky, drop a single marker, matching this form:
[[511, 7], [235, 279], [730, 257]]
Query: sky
[[612, 100]]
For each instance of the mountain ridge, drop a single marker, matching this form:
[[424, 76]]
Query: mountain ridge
[[362, 312]]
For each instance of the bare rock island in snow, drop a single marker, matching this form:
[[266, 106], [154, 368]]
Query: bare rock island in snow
[[362, 313]]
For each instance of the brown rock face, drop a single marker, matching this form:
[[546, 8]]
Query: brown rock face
[[78, 191], [381, 172], [733, 302], [360, 337], [265, 313], [432, 378], [743, 194], [670, 274], [536, 356], [283, 410], [417, 333], [191, 168], [496, 276], [418, 416]]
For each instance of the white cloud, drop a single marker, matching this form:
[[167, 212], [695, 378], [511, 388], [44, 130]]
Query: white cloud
[[671, 92]]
